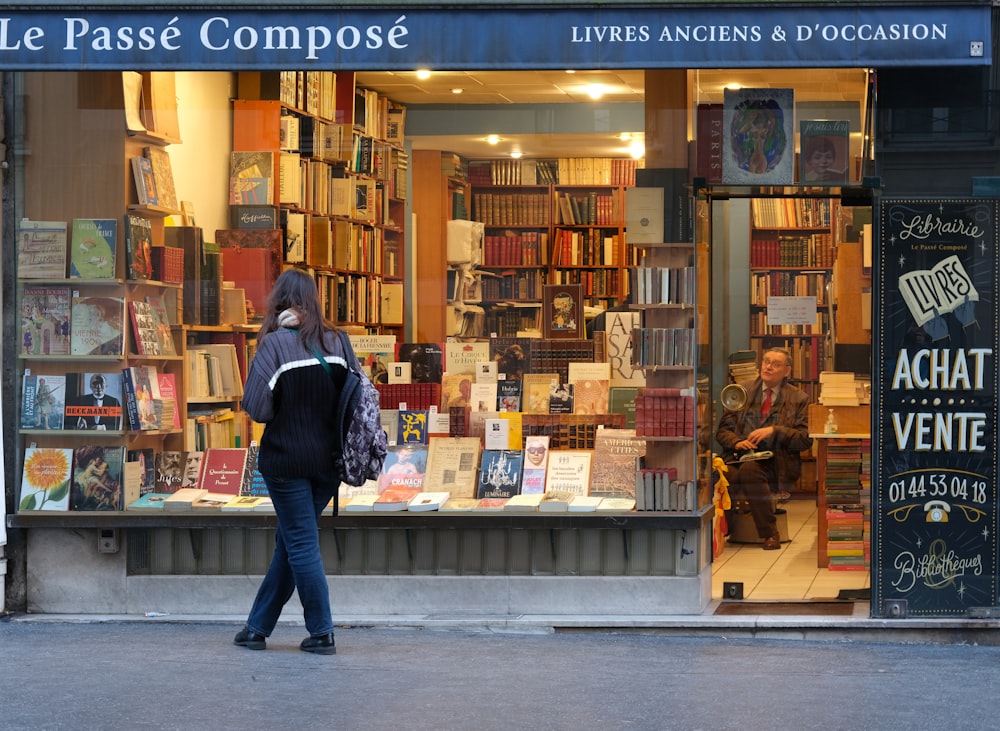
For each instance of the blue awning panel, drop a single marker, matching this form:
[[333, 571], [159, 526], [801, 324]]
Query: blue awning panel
[[538, 38]]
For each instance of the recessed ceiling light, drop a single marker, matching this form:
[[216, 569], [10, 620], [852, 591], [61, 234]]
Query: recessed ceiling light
[[570, 71], [457, 90], [493, 139], [637, 150], [516, 154], [625, 136], [423, 74], [595, 91]]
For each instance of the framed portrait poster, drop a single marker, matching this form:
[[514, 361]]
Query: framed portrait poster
[[562, 311]]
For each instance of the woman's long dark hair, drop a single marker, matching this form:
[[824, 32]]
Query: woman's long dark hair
[[296, 290]]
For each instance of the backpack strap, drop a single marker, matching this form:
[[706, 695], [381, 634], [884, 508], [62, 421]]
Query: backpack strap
[[322, 361]]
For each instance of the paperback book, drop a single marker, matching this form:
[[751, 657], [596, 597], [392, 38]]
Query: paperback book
[[169, 470], [404, 467], [536, 458], [45, 320], [500, 474], [144, 332], [97, 325], [138, 247], [41, 249], [45, 481], [97, 477], [43, 401], [93, 401], [453, 464], [145, 183], [93, 244]]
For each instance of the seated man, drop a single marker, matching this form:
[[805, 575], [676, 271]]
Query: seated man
[[775, 418]]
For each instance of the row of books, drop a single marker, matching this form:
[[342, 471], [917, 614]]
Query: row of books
[[515, 285], [595, 283], [664, 412], [512, 209], [100, 477], [790, 212], [99, 401], [663, 346], [663, 285], [593, 247], [805, 250], [808, 354], [516, 248], [565, 171], [787, 284], [549, 502], [88, 246]]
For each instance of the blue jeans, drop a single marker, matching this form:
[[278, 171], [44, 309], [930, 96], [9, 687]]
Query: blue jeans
[[296, 564]]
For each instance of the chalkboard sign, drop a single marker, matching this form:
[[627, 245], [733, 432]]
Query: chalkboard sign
[[934, 503]]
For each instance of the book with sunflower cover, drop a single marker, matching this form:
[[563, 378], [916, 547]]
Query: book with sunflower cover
[[46, 479]]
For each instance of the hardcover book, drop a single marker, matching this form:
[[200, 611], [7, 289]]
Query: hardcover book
[[93, 245], [251, 178], [97, 325], [404, 467], [561, 398], [456, 390], [145, 183], [43, 401], [93, 401], [562, 311], [569, 471], [163, 176], [512, 356], [138, 247], [412, 427], [395, 498], [375, 353], [161, 325], [97, 478], [758, 137], [500, 474], [193, 460], [461, 358], [425, 359], [45, 481], [536, 457], [613, 470], [535, 392], [618, 327], [41, 249], [223, 469], [144, 329], [826, 151], [508, 395], [45, 320], [146, 459], [453, 464], [169, 470], [483, 396]]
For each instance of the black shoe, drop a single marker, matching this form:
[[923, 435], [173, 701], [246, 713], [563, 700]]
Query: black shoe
[[322, 645], [250, 640]]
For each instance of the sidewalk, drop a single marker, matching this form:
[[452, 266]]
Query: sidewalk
[[174, 673]]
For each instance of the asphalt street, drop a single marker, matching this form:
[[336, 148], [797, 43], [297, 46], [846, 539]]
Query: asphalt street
[[172, 675]]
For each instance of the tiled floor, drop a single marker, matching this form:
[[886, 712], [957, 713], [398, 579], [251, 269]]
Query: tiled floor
[[788, 574]]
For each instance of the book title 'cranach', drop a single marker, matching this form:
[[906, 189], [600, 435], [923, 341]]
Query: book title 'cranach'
[[940, 368]]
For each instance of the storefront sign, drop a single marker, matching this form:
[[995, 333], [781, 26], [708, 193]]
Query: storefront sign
[[375, 38], [934, 447]]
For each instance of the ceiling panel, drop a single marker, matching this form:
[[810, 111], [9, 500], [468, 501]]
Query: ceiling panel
[[620, 86]]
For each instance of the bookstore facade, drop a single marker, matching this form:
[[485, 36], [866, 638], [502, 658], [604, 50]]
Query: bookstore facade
[[163, 165]]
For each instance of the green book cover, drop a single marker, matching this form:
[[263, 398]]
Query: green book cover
[[92, 248]]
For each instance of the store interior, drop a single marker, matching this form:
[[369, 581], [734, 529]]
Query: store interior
[[487, 103]]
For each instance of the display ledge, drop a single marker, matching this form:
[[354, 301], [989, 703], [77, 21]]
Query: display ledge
[[432, 519]]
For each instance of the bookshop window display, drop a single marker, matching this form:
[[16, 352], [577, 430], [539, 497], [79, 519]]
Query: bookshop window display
[[132, 360]]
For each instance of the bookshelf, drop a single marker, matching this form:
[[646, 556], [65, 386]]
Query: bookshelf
[[668, 348], [793, 252], [105, 138], [545, 233], [338, 187]]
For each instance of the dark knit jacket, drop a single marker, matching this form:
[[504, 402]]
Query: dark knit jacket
[[290, 392]]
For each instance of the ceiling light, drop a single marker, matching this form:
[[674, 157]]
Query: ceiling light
[[493, 139], [595, 91], [516, 154], [423, 74], [625, 136], [570, 71], [457, 90], [637, 150]]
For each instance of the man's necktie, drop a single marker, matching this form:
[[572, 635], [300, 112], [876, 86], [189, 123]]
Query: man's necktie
[[765, 407]]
